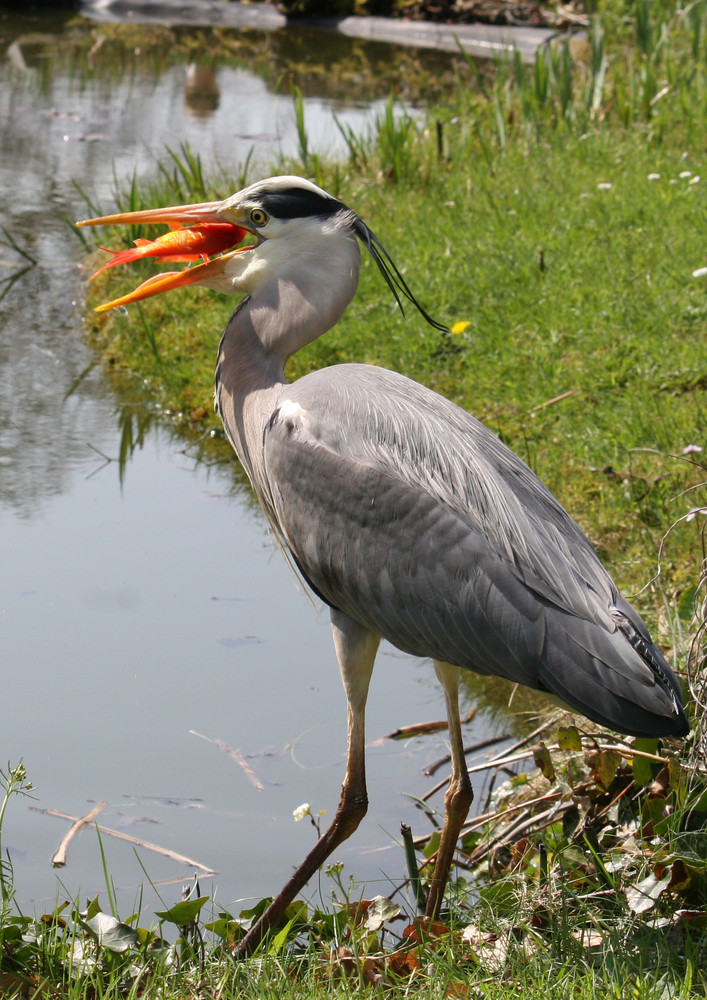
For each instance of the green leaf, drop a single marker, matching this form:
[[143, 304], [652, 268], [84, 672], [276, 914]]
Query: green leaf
[[568, 738], [257, 910], [92, 908], [280, 939], [642, 771], [111, 933], [604, 766], [686, 605], [182, 913], [432, 844], [227, 928]]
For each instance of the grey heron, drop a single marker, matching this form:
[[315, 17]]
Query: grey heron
[[406, 515]]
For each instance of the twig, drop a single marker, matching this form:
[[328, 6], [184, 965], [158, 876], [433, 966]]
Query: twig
[[131, 840], [555, 399], [523, 823], [502, 760], [497, 815], [422, 728], [472, 748], [59, 859], [15, 246], [234, 755]]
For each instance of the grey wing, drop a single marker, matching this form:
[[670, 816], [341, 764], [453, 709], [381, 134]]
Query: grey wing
[[408, 515]]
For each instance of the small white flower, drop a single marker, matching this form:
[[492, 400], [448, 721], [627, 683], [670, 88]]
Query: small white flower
[[690, 448], [685, 173], [653, 177], [700, 272], [604, 185], [694, 512], [695, 180], [301, 811]]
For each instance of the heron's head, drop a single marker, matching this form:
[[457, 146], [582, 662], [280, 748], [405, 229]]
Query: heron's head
[[295, 230]]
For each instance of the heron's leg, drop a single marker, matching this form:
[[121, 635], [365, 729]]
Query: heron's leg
[[459, 793], [356, 650]]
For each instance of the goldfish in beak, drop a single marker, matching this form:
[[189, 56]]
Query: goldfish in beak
[[196, 233]]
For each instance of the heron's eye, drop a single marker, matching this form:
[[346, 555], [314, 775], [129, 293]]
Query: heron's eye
[[258, 217]]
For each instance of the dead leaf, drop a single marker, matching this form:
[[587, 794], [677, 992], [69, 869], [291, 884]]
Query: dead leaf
[[380, 911], [404, 962], [680, 877], [603, 764], [543, 761], [424, 929], [373, 970], [489, 949], [643, 896], [588, 937]]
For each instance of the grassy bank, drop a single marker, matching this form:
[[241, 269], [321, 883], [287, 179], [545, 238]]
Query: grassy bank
[[554, 219]]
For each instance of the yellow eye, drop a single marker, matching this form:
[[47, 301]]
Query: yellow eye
[[258, 217]]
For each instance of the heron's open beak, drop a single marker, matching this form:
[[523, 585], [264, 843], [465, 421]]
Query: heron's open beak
[[196, 232]]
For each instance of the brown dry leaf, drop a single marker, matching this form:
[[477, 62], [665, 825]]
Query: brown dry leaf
[[404, 963], [658, 788], [457, 991], [588, 937], [521, 852], [357, 911], [21, 986], [543, 761], [424, 929], [489, 949], [680, 877], [373, 970], [339, 963]]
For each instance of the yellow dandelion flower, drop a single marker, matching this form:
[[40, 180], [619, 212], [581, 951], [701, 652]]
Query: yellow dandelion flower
[[460, 326]]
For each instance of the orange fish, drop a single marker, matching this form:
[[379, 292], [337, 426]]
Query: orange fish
[[195, 243]]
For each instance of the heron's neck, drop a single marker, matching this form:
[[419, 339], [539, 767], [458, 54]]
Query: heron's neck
[[279, 317]]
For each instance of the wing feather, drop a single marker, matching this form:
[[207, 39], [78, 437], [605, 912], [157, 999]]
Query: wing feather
[[407, 514]]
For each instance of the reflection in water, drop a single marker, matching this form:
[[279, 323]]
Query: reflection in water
[[86, 106], [201, 90]]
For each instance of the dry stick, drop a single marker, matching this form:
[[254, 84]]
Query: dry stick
[[501, 761], [551, 402], [422, 728], [483, 818], [131, 840], [522, 824], [59, 859], [472, 748], [234, 755]]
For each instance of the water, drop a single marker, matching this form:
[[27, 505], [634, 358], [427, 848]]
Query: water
[[139, 611]]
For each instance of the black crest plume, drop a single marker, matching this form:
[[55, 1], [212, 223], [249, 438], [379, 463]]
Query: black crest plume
[[388, 268]]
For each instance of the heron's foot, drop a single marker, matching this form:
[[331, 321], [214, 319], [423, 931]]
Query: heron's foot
[[458, 799], [352, 808]]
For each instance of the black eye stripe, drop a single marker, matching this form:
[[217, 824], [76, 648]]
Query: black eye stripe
[[297, 203]]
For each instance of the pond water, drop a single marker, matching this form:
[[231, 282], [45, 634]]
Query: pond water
[[145, 608]]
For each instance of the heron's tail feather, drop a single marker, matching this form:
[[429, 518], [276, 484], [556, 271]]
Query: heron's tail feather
[[619, 679]]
